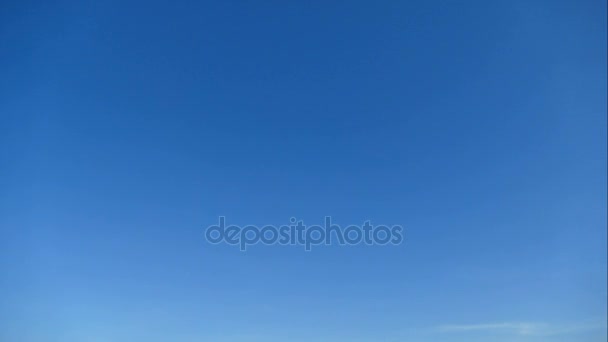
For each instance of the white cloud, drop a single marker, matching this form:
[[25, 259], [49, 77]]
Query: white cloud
[[524, 328]]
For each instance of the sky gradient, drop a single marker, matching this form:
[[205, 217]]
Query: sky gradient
[[128, 127]]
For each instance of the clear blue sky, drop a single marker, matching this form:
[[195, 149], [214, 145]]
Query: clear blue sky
[[128, 127]]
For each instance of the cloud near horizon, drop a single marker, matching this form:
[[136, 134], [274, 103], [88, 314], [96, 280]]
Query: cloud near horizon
[[525, 328]]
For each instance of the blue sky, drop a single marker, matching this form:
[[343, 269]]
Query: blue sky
[[128, 127]]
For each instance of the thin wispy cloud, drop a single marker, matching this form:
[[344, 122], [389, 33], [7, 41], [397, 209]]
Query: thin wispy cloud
[[524, 328]]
